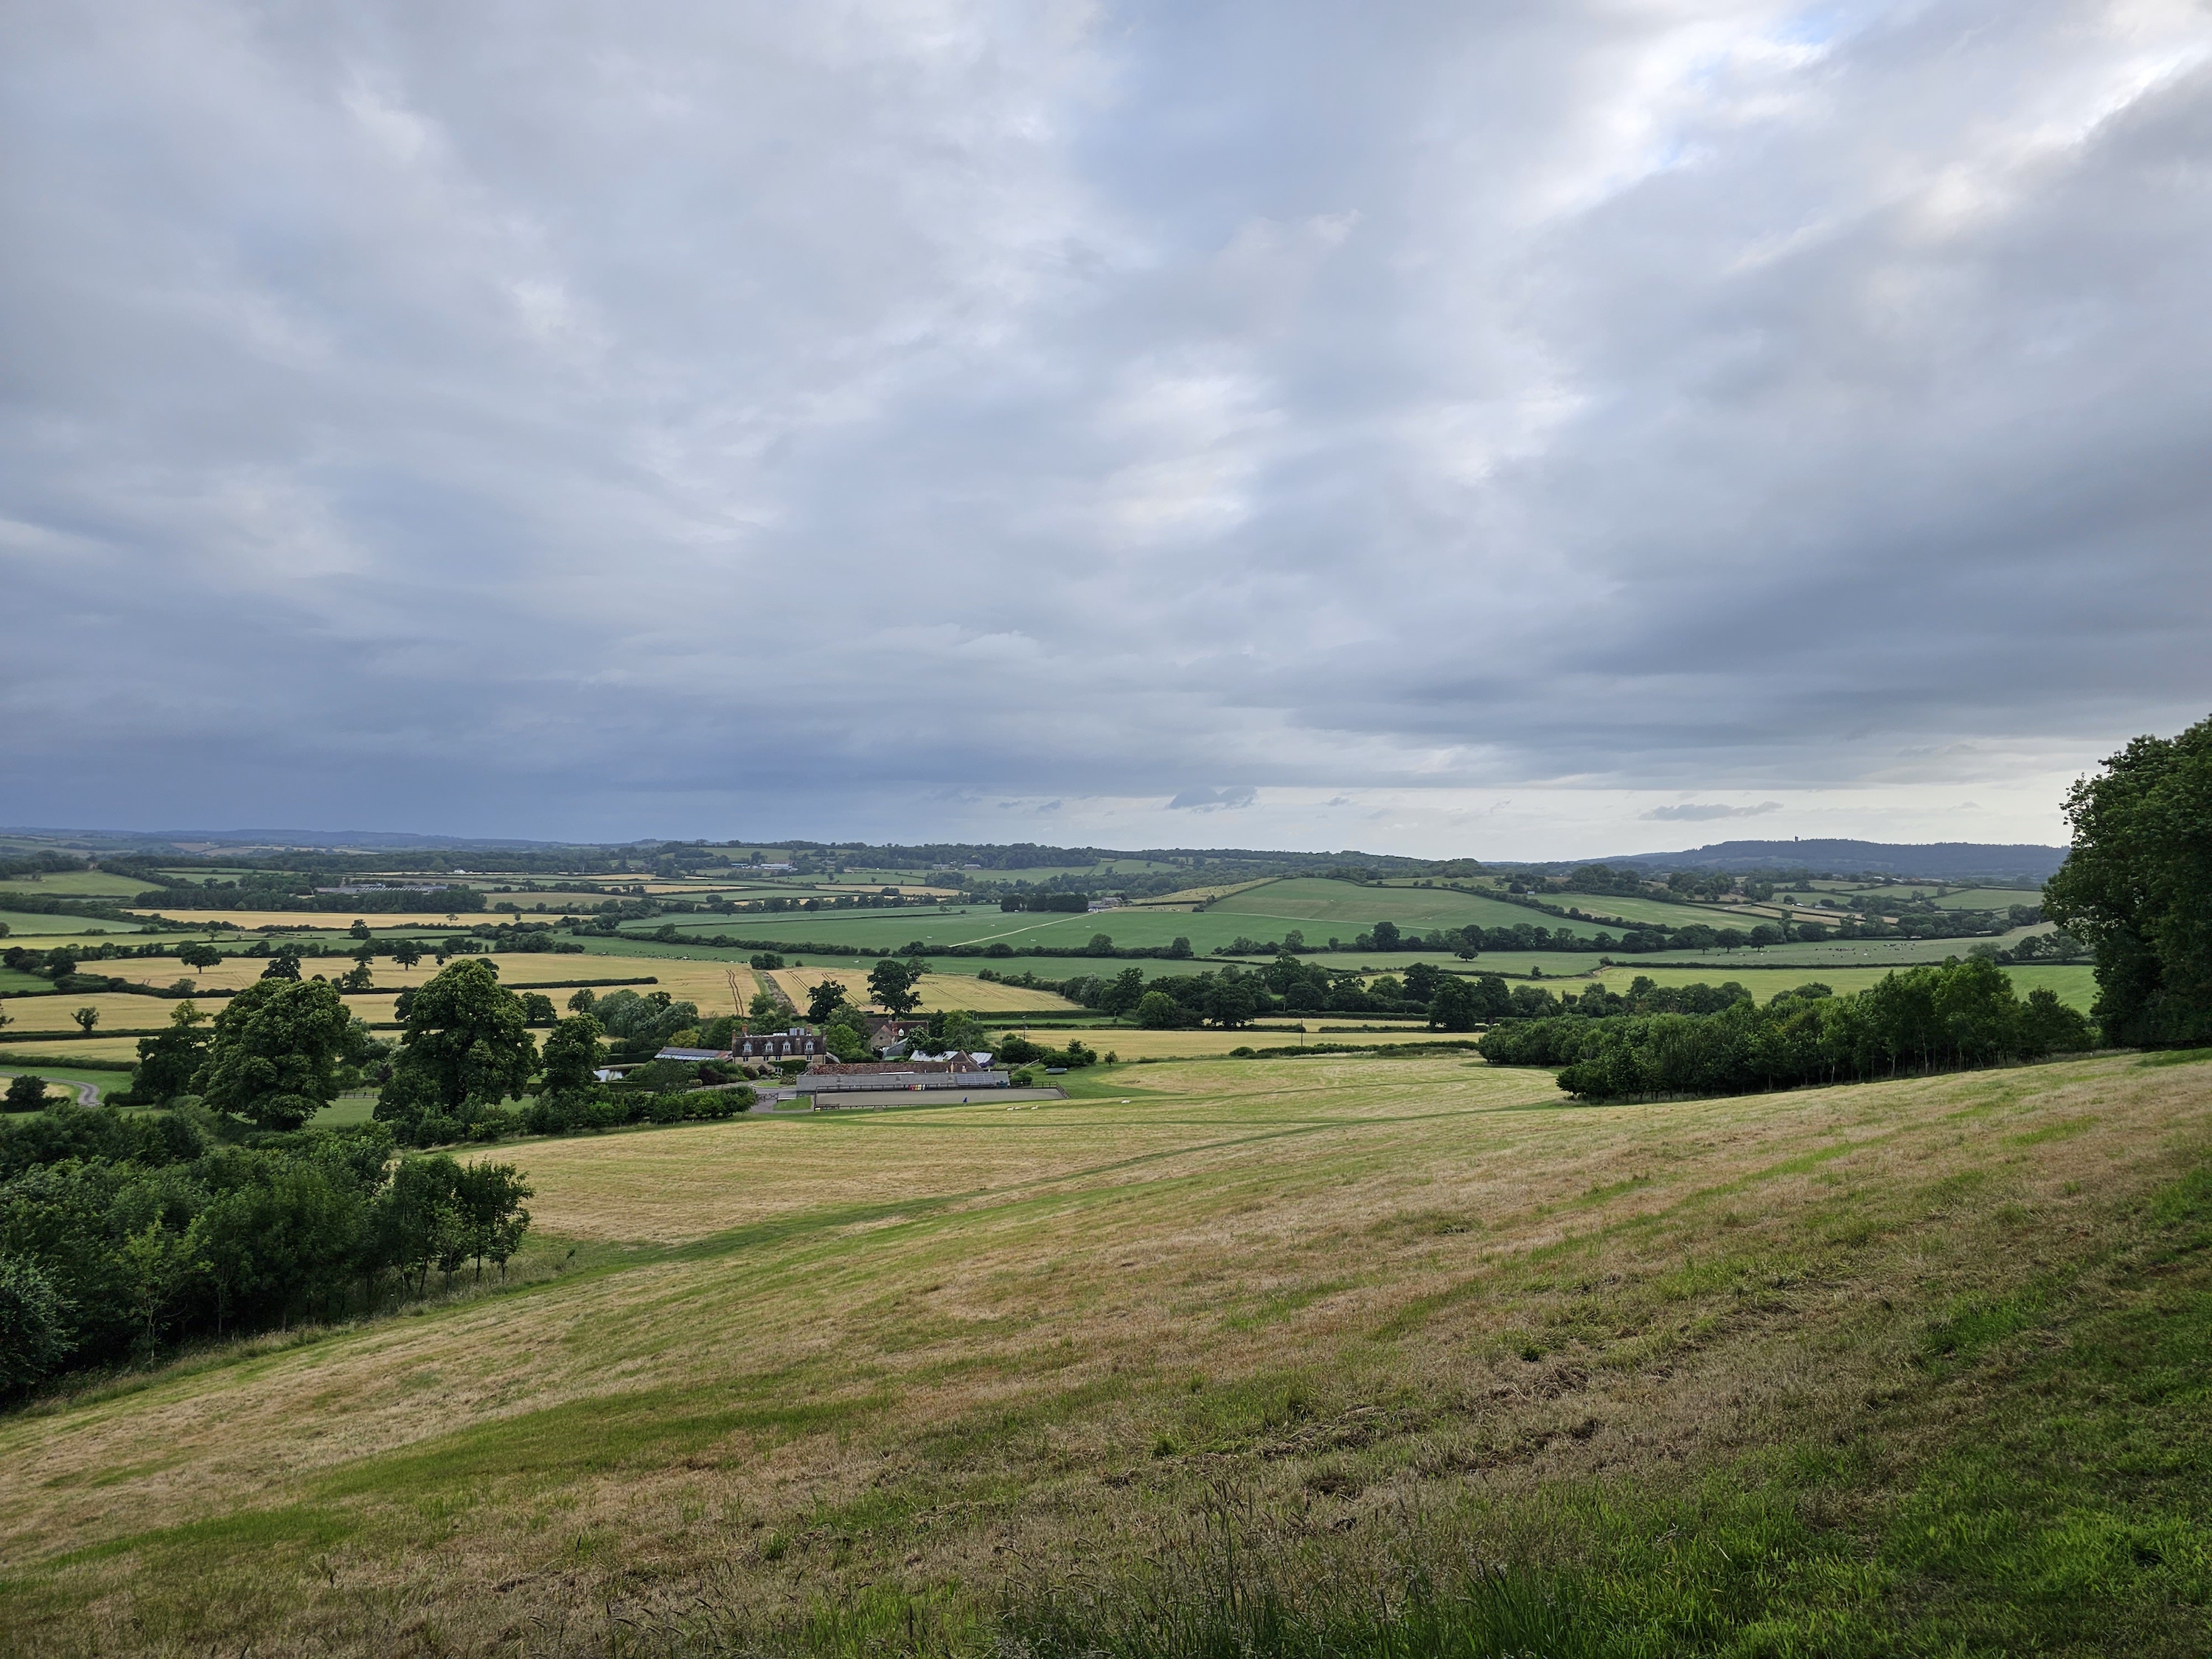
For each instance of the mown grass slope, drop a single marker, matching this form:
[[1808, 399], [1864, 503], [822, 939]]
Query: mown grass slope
[[1273, 1356]]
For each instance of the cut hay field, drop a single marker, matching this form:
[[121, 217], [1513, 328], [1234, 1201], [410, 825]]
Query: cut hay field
[[118, 1011], [936, 991], [1911, 1367], [67, 1043]]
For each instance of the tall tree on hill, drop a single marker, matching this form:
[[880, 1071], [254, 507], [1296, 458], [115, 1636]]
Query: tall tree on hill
[[278, 1052], [168, 1063], [2136, 887], [572, 1053], [466, 1045], [823, 1000], [891, 985]]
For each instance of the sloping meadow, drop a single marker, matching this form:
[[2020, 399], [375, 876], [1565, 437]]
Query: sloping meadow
[[1331, 1354]]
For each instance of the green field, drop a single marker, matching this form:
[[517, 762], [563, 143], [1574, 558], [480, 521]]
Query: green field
[[1987, 898], [1213, 1359], [21, 925], [1321, 909], [1657, 910], [73, 884], [102, 1081]]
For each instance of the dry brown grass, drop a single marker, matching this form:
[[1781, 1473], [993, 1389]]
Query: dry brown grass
[[1042, 1332]]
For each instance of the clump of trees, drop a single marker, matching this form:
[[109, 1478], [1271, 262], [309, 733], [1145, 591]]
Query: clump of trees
[[2136, 888], [120, 1233], [1961, 1014]]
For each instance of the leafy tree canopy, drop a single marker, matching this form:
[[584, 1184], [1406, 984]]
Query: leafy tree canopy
[[279, 1050], [2136, 887], [467, 1043]]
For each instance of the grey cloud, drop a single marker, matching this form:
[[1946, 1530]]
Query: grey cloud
[[1693, 812], [1211, 800], [744, 406]]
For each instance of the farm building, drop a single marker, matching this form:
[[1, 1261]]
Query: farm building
[[960, 1071], [797, 1043]]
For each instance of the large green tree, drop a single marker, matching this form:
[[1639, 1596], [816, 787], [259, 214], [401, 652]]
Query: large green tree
[[891, 985], [169, 1063], [2136, 887], [823, 1000], [280, 1052], [573, 1055], [466, 1045]]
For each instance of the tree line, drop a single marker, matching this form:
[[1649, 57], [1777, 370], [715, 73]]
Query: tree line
[[122, 1233], [1960, 1014]]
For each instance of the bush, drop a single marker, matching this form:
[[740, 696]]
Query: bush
[[603, 1112], [494, 1123], [36, 1334], [712, 1105], [665, 1107], [26, 1093]]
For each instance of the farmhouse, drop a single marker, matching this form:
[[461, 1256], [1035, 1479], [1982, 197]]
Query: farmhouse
[[797, 1043]]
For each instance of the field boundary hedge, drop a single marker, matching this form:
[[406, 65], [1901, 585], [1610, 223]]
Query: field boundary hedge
[[86, 1064]]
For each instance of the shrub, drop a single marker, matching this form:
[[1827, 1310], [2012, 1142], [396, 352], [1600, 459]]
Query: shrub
[[26, 1093], [603, 1112], [35, 1333], [715, 1104]]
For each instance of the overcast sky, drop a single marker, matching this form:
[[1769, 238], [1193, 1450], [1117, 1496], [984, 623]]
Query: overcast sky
[[1511, 430]]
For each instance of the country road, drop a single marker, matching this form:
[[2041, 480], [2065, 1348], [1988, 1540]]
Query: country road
[[88, 1094]]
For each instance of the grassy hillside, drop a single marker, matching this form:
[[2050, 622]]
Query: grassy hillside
[[1224, 1355]]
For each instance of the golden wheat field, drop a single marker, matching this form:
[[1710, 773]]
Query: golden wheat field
[[936, 991]]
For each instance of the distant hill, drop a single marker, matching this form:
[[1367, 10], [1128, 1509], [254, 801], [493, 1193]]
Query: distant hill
[[1948, 860]]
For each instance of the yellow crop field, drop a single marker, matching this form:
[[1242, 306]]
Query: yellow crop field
[[52, 1013], [332, 921], [944, 991], [61, 1046]]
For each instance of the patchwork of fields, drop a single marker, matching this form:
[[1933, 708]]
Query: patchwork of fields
[[903, 1371]]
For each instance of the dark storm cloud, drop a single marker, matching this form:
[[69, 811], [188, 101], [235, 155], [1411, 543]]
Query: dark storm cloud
[[612, 421]]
